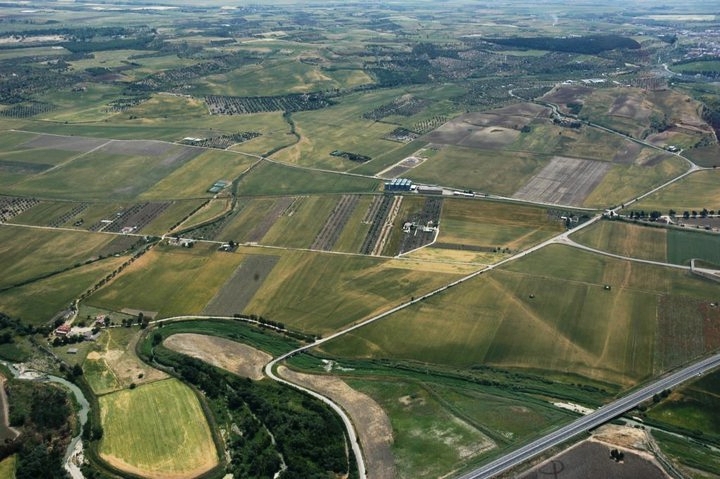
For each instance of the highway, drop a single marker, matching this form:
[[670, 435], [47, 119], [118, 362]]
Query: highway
[[600, 416]]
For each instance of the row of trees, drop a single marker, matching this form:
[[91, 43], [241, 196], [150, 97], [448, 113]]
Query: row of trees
[[654, 215]]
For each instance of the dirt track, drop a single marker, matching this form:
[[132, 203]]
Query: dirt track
[[371, 423]]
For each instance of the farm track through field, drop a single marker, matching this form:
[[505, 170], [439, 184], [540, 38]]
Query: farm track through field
[[333, 227]]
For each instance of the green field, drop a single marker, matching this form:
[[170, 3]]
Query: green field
[[695, 459], [166, 418], [499, 172], [571, 324], [686, 245], [624, 182], [320, 293], [38, 302], [276, 179], [489, 224], [193, 179], [52, 251], [429, 440], [692, 407], [627, 239], [170, 280], [694, 192]]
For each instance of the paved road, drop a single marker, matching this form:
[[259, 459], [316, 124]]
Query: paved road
[[600, 416]]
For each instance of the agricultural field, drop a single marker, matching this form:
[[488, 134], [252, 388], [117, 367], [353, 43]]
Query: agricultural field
[[277, 179], [39, 301], [240, 288], [52, 252], [217, 160], [606, 335], [490, 227], [627, 239], [129, 168], [592, 459], [171, 426], [194, 178], [318, 293], [694, 192], [684, 246], [183, 281], [277, 78]]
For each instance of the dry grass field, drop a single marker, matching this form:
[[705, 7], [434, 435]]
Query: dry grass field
[[113, 365], [232, 356]]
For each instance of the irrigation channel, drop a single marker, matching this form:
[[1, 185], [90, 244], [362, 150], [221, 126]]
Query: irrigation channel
[[75, 446]]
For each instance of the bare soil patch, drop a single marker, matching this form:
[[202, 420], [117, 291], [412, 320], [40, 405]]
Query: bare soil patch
[[624, 436], [565, 94], [232, 356], [627, 153], [371, 423], [630, 106], [564, 181], [237, 292], [65, 143], [532, 110], [463, 133], [137, 147], [492, 130], [125, 365], [592, 459]]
